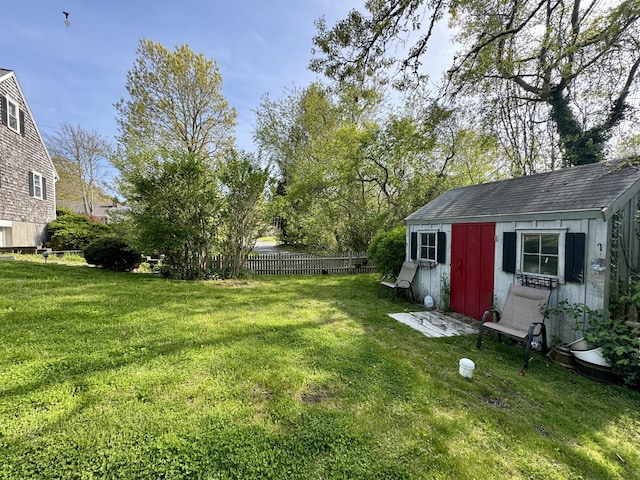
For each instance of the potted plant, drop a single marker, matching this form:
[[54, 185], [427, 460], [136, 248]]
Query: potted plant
[[619, 345], [584, 354], [571, 313]]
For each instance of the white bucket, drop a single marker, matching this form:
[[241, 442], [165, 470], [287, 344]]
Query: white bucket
[[466, 367]]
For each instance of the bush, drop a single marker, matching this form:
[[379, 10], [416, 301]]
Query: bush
[[73, 231], [620, 343], [112, 254], [387, 250]]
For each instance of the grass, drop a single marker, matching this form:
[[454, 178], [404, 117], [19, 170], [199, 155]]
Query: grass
[[64, 259], [107, 375]]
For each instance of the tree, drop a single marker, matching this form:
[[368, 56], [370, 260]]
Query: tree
[[80, 158], [347, 168], [243, 181], [175, 103], [314, 139], [174, 202], [579, 59], [174, 130], [628, 146]]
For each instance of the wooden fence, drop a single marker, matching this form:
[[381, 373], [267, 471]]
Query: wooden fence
[[301, 264], [279, 263]]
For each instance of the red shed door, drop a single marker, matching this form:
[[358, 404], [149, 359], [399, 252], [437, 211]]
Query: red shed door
[[472, 264]]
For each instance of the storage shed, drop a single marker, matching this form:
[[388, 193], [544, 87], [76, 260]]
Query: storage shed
[[574, 231]]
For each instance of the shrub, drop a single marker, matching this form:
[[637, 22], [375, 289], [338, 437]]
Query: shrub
[[620, 345], [73, 231], [112, 254], [387, 251]]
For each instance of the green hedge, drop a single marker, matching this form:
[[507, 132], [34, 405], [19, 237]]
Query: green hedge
[[112, 254], [387, 250], [73, 231]]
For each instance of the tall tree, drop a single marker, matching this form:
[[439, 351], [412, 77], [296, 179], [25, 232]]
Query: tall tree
[[348, 168], [243, 181], [81, 157], [175, 102], [174, 128], [578, 58]]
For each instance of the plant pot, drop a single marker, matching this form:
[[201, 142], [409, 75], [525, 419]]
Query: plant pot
[[590, 362], [599, 373], [593, 356], [563, 355], [580, 344]]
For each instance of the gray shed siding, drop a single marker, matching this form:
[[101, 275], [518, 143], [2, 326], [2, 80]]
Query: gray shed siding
[[23, 218], [592, 292]]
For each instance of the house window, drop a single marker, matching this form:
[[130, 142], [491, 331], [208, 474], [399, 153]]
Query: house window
[[13, 116], [428, 246], [37, 185]]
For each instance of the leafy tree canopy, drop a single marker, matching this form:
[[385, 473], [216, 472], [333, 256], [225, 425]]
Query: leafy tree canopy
[[347, 167], [578, 58], [175, 102]]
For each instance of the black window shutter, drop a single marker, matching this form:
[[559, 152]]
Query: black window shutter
[[3, 102], [44, 188], [574, 251], [22, 122], [509, 252], [414, 245], [442, 247], [31, 192]]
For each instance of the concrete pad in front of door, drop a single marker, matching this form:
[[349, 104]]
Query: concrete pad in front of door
[[434, 324]]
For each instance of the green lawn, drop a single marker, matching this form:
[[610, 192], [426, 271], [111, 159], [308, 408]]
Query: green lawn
[[107, 375]]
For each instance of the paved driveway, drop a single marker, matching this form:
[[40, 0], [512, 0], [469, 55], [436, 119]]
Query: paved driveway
[[269, 248]]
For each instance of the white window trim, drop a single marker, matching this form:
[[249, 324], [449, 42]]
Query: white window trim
[[17, 116], [435, 246], [562, 237], [35, 192]]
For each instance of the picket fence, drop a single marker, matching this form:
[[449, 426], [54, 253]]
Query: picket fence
[[265, 264], [302, 264]]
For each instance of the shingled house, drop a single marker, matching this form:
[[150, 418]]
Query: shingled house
[[27, 174], [573, 230]]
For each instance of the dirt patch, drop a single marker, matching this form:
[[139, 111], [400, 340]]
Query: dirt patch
[[314, 397]]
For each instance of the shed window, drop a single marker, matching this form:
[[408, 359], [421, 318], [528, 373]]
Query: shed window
[[428, 246], [540, 253], [551, 253]]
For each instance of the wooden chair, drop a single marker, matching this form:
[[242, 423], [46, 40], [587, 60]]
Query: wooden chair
[[403, 281], [522, 318]]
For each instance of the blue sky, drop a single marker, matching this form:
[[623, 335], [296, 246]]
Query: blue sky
[[75, 74]]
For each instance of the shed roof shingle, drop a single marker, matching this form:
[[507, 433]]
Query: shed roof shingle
[[588, 187]]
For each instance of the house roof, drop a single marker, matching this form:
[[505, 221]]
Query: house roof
[[585, 191], [100, 209]]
